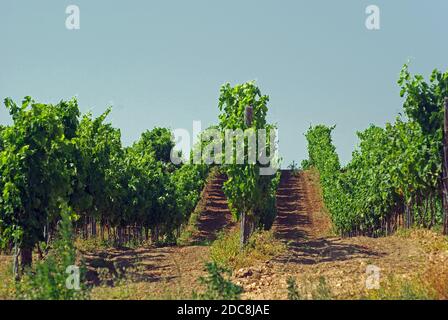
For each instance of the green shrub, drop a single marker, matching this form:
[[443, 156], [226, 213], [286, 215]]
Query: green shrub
[[226, 248], [49, 279], [218, 287], [293, 291], [322, 290], [309, 289]]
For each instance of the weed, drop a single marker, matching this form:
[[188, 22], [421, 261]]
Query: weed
[[7, 286], [262, 246], [293, 290], [309, 289], [217, 286], [322, 290], [47, 279], [294, 168]]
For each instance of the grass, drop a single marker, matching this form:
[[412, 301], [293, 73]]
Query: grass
[[400, 289], [128, 290], [429, 240], [123, 286], [7, 287], [215, 286], [262, 246], [309, 289], [431, 284], [92, 244], [428, 283]]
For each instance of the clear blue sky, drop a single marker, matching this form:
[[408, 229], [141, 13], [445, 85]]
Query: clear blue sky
[[161, 63]]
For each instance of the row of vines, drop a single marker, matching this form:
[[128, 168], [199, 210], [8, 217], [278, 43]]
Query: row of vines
[[251, 195], [52, 156], [394, 178]]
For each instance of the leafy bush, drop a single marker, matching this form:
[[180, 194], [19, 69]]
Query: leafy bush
[[217, 286], [293, 290], [310, 289], [49, 279], [322, 290]]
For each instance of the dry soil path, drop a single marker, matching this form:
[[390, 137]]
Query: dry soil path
[[164, 272]]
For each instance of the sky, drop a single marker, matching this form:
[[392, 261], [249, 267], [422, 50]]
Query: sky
[[161, 63]]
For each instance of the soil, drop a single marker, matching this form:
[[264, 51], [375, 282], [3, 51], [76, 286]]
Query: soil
[[313, 251], [216, 215], [167, 272]]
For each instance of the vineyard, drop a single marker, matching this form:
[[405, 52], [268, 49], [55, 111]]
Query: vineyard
[[72, 194], [51, 156], [394, 178]]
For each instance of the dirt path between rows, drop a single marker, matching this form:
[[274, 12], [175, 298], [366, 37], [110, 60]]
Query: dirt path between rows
[[312, 252], [216, 215], [163, 272]]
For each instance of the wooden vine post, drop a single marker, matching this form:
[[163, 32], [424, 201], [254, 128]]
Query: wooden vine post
[[445, 168]]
